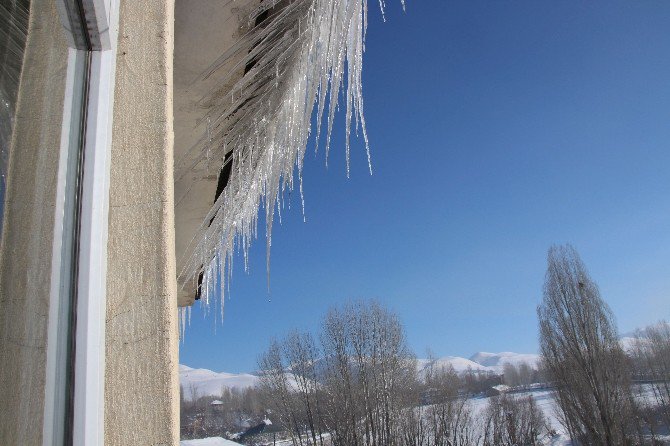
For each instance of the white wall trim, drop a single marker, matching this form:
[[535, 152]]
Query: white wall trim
[[56, 260], [89, 400]]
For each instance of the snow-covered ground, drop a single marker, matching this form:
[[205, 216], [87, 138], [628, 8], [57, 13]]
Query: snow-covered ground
[[212, 441], [546, 402], [544, 399]]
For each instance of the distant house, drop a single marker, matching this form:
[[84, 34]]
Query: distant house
[[498, 390], [216, 405]]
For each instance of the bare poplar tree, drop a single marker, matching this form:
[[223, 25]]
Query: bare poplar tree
[[580, 347]]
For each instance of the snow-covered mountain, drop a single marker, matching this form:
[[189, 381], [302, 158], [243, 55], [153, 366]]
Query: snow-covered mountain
[[209, 383], [206, 382], [481, 362], [496, 361], [460, 365]]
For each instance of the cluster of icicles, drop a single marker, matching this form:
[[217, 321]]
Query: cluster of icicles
[[298, 55]]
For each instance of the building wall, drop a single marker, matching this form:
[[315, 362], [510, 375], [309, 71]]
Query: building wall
[[141, 375], [25, 265]]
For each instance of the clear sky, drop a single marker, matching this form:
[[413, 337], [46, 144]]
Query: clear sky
[[497, 128]]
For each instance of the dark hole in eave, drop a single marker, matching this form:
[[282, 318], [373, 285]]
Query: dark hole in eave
[[226, 170]]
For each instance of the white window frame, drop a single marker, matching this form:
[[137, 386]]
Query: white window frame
[[89, 360]]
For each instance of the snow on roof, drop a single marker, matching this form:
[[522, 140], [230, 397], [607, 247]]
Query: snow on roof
[[216, 403], [501, 388]]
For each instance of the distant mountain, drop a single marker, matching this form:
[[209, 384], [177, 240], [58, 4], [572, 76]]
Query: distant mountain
[[207, 382], [482, 362], [460, 365], [496, 361]]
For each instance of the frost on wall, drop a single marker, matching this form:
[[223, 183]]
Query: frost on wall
[[298, 56]]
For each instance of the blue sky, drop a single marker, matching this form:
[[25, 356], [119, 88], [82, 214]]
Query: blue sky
[[497, 128]]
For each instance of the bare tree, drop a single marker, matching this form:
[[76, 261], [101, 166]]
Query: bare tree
[[511, 375], [521, 375], [279, 391], [651, 354], [580, 347], [450, 418], [511, 421], [302, 354], [354, 388], [413, 428], [371, 372]]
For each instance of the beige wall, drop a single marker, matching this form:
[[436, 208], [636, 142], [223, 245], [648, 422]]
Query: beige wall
[[141, 376], [25, 266]]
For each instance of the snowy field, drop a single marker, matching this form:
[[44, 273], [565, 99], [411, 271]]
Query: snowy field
[[208, 383], [543, 398], [546, 402], [213, 441]]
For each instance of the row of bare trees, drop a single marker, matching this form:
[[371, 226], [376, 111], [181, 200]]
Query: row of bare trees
[[521, 375], [349, 387], [358, 386], [454, 420]]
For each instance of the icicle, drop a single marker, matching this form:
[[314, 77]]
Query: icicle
[[298, 60], [184, 319]]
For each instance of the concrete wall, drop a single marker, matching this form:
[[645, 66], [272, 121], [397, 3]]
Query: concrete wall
[[141, 379], [25, 266], [141, 376]]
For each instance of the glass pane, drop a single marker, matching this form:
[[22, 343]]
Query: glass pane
[[13, 29], [33, 92]]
